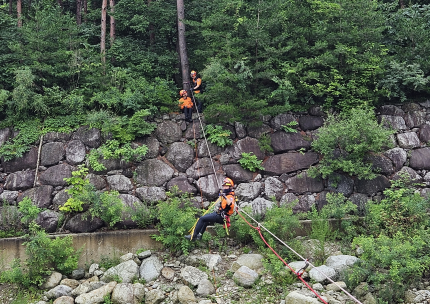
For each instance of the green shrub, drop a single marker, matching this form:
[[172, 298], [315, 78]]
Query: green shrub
[[402, 210], [79, 186], [107, 206], [176, 216], [265, 143], [28, 210], [345, 140], [289, 127], [218, 136], [44, 255], [142, 215], [250, 162], [397, 261]]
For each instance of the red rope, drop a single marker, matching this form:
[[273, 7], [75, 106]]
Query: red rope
[[299, 275]]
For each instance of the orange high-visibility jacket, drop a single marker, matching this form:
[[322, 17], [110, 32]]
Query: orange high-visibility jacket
[[185, 103], [227, 203]]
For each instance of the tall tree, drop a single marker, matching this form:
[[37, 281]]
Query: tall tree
[[19, 12], [182, 44], [103, 32], [112, 22], [78, 12]]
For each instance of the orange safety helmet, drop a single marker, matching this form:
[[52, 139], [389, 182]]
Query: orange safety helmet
[[228, 182], [182, 92], [193, 73]]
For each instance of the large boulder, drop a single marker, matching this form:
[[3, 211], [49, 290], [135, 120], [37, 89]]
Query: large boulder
[[398, 156], [128, 293], [125, 271], [425, 133], [131, 204], [321, 273], [341, 183], [51, 153], [210, 185], [83, 222], [96, 296], [245, 145], [420, 159], [4, 135], [258, 131], [381, 163], [180, 155], [193, 275], [253, 261], [391, 110], [289, 162], [370, 187], [75, 152], [153, 172], [119, 183], [48, 220], [27, 161], [91, 137], [20, 180], [55, 175], [150, 269], [202, 149], [168, 132], [245, 276], [408, 140], [296, 297], [261, 205], [414, 119], [237, 173], [202, 167], [153, 146], [248, 191], [340, 262], [183, 185], [281, 120], [309, 122], [40, 196], [392, 122], [8, 197], [151, 194], [283, 142], [97, 181], [302, 183], [60, 198], [273, 187]]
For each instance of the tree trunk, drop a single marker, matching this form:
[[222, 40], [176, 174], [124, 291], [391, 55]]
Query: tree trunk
[[85, 10], [78, 12], [60, 4], [10, 7], [103, 32], [402, 4], [182, 45], [19, 12], [112, 22]]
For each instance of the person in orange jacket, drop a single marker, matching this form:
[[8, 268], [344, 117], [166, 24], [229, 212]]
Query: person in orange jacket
[[224, 211], [197, 89], [186, 105]]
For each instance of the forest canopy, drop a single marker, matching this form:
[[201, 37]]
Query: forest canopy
[[255, 57]]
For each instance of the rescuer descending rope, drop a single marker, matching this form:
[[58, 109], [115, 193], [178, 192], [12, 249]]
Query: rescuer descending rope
[[222, 215]]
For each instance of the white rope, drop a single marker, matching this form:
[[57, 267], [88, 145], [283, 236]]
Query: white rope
[[296, 253]]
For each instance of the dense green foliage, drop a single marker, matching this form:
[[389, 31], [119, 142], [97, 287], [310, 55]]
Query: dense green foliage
[[176, 215], [44, 254], [249, 161], [346, 140], [256, 57]]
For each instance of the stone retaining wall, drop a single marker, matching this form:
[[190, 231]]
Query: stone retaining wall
[[172, 161]]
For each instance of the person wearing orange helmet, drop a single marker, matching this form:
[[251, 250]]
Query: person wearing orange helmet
[[221, 215], [186, 105], [197, 90]]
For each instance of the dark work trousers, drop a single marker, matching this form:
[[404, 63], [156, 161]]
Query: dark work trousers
[[188, 113], [199, 103], [205, 220]]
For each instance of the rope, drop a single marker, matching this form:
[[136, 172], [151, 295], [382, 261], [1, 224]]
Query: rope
[[305, 260]]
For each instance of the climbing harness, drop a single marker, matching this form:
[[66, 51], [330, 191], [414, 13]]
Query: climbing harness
[[191, 231], [259, 226]]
